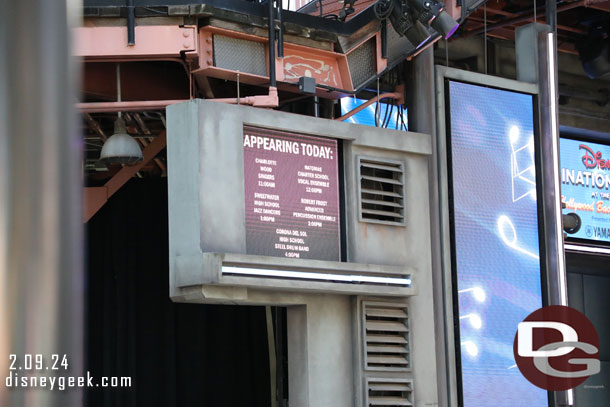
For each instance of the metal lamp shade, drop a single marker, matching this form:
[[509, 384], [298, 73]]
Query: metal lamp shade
[[121, 148]]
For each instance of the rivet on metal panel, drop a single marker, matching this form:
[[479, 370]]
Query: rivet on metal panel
[[209, 61], [208, 40], [186, 33], [186, 44]]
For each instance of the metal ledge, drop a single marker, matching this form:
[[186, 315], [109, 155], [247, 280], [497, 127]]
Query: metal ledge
[[297, 275]]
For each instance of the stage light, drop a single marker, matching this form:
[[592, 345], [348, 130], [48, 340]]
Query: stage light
[[433, 12], [411, 18], [594, 52], [445, 24], [403, 19]]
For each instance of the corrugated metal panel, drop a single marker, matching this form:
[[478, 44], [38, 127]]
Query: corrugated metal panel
[[240, 55], [362, 63]]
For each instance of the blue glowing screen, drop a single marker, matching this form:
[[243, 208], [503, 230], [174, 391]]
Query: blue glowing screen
[[585, 187], [497, 256], [394, 118]]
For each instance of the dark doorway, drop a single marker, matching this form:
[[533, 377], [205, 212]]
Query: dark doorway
[[176, 354]]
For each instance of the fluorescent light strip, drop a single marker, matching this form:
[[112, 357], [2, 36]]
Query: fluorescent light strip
[[588, 249], [314, 276]]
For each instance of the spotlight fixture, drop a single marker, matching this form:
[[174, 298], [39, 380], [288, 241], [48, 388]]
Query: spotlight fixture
[[411, 18], [445, 24], [120, 148], [594, 52], [433, 12], [403, 20]]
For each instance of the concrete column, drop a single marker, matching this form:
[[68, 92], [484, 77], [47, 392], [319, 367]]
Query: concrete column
[[320, 352], [422, 118]]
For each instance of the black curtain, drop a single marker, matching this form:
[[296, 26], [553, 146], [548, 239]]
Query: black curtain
[[176, 354]]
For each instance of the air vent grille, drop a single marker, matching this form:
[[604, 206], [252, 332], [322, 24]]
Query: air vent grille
[[389, 392], [236, 54], [386, 336], [361, 63], [381, 191]]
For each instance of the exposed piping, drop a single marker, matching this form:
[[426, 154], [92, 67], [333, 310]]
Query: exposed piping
[[131, 23], [398, 95], [272, 82], [280, 32], [132, 106], [270, 100], [551, 14]]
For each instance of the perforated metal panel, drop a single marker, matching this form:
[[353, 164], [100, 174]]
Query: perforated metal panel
[[240, 55], [361, 63], [398, 47]]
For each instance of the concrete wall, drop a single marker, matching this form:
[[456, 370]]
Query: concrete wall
[[207, 227]]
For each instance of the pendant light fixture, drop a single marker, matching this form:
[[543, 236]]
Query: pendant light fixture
[[120, 148]]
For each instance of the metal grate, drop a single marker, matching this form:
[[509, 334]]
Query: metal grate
[[386, 336], [361, 63], [240, 55], [389, 392], [381, 191]]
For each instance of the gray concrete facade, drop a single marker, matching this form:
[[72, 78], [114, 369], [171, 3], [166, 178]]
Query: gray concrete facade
[[325, 320]]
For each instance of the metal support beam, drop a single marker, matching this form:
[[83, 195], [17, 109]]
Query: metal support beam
[[41, 237], [556, 282], [95, 198]]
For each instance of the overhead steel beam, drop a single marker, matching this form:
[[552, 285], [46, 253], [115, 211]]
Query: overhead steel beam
[[522, 19]]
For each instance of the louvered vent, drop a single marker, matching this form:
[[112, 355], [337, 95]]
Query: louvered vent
[[386, 336], [381, 191], [389, 392]]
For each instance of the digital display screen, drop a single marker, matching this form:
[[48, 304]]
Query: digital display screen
[[585, 187], [495, 231], [292, 195]]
